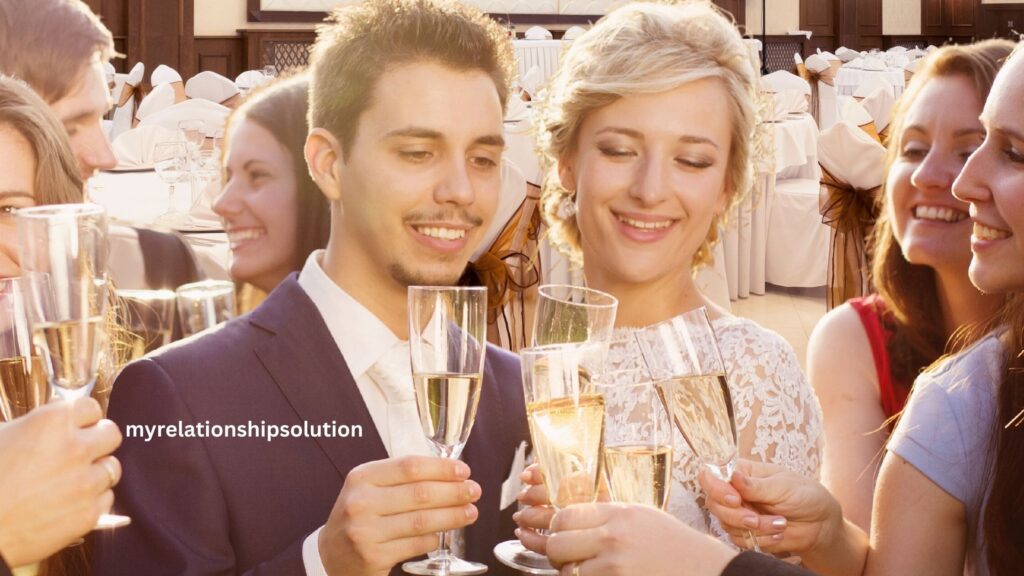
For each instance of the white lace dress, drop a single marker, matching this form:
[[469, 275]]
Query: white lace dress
[[778, 418]]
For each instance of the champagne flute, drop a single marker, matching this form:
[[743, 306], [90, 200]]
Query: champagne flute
[[205, 304], [63, 254], [565, 314], [572, 314], [23, 385], [170, 160], [447, 341], [637, 439], [683, 359], [149, 317]]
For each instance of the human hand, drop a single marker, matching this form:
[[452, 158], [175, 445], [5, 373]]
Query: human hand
[[391, 510], [537, 512], [57, 478]]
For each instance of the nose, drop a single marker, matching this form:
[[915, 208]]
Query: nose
[[648, 186], [972, 183], [94, 151], [937, 171], [455, 187], [229, 202]]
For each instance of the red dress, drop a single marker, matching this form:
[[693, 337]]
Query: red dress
[[872, 311]]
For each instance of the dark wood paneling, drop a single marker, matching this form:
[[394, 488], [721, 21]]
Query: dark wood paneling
[[161, 32], [818, 17], [846, 16], [962, 16], [255, 43], [932, 19], [738, 9], [1001, 20], [869, 17], [221, 54]]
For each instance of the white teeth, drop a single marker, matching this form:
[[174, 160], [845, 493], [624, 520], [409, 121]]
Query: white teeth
[[644, 225], [982, 232], [237, 237], [938, 213], [442, 233]]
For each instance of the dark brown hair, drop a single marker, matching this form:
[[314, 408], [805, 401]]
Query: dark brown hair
[[281, 109], [48, 43], [361, 42], [909, 290], [57, 180]]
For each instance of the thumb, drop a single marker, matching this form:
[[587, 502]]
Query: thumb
[[769, 491]]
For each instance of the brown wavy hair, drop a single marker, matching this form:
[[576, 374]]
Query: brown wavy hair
[[909, 290]]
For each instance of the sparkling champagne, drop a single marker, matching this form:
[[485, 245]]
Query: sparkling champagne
[[447, 407], [701, 408], [568, 436], [639, 474], [22, 387], [70, 351]]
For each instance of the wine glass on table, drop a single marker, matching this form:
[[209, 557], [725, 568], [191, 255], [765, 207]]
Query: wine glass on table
[[63, 254], [170, 160], [447, 341], [637, 439], [686, 365], [193, 132], [564, 314]]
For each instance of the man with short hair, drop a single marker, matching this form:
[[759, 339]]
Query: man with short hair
[[407, 98], [59, 47]]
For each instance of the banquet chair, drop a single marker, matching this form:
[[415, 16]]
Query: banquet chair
[[851, 176], [122, 115], [213, 115], [869, 83], [879, 103], [134, 148], [796, 250], [250, 80], [158, 99], [821, 76], [538, 33], [853, 112]]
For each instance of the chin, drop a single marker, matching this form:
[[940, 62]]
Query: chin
[[437, 275]]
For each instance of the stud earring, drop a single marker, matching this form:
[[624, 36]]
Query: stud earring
[[567, 208]]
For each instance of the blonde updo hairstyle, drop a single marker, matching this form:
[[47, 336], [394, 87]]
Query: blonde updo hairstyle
[[645, 48]]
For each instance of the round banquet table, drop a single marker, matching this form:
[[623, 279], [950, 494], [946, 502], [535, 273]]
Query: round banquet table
[[138, 198], [848, 79]]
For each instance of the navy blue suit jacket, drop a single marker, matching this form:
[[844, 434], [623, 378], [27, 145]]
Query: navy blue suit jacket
[[245, 505]]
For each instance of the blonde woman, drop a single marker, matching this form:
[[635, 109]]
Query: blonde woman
[[647, 129]]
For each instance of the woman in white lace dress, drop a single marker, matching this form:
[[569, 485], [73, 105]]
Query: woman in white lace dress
[[647, 130]]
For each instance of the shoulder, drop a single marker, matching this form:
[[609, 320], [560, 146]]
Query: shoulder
[[743, 334], [964, 384], [841, 325], [839, 347]]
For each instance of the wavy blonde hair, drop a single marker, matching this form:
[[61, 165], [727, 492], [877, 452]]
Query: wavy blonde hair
[[645, 48]]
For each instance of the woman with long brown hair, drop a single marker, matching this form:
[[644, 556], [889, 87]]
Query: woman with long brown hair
[[864, 355]]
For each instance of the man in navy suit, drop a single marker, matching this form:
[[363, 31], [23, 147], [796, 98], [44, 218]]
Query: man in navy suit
[[406, 106]]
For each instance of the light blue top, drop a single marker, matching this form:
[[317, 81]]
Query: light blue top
[[946, 429]]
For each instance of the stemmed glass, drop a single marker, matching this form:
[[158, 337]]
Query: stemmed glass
[[205, 304], [565, 314], [194, 133], [683, 359], [149, 317], [447, 341], [23, 385], [637, 439], [63, 254], [170, 159]]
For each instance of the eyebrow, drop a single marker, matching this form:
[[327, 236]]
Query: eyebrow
[[957, 134], [685, 139], [15, 194], [428, 134]]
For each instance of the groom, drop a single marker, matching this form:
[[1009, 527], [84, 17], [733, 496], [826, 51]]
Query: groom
[[406, 104]]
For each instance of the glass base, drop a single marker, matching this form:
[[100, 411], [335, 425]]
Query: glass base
[[513, 554], [172, 219], [444, 566], [111, 521]]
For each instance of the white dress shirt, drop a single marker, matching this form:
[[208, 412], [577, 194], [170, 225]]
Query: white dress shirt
[[380, 365]]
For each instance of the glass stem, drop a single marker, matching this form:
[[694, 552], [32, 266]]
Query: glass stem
[[170, 198], [443, 546]]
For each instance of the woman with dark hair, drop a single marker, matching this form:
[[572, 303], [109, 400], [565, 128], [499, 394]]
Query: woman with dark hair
[[949, 493], [273, 212], [864, 355]]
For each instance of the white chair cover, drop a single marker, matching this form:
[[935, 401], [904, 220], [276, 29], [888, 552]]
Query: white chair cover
[[856, 64], [136, 74], [869, 83], [164, 75], [797, 58], [213, 115], [573, 33], [847, 55], [249, 80], [209, 85], [134, 148], [532, 80], [853, 112], [879, 104], [158, 99], [797, 244], [122, 119], [783, 80], [828, 108], [874, 64], [538, 33]]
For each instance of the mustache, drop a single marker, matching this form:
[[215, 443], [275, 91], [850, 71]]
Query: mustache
[[459, 216]]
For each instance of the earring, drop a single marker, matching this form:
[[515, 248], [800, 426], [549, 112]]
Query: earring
[[567, 208]]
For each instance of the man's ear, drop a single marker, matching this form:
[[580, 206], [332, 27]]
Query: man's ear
[[322, 151]]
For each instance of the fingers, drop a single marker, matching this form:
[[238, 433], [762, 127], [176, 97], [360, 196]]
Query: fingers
[[426, 522], [533, 540], [100, 440], [427, 494], [531, 475], [86, 412], [113, 468], [583, 516], [718, 490], [534, 517], [534, 495], [409, 469], [574, 545]]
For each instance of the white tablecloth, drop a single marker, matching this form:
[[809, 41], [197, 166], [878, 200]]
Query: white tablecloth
[[138, 198], [796, 147], [847, 80], [544, 54]]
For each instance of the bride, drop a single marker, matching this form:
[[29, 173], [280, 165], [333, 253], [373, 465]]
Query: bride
[[647, 128]]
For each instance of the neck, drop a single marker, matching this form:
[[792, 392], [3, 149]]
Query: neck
[[646, 303], [960, 302], [369, 285]]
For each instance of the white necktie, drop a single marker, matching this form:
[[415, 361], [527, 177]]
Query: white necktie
[[393, 374]]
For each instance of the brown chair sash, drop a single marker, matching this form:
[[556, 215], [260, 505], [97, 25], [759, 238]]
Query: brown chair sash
[[813, 77], [851, 214]]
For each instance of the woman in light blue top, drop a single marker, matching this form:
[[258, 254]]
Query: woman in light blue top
[[948, 501]]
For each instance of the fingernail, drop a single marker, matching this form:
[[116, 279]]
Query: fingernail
[[750, 521], [516, 517], [470, 511], [461, 469], [733, 500], [524, 476], [519, 533], [777, 537], [474, 490], [744, 480], [779, 523]]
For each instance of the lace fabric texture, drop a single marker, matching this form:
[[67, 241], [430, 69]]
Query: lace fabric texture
[[778, 418]]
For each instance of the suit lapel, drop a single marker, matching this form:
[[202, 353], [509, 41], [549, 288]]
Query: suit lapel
[[307, 366]]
